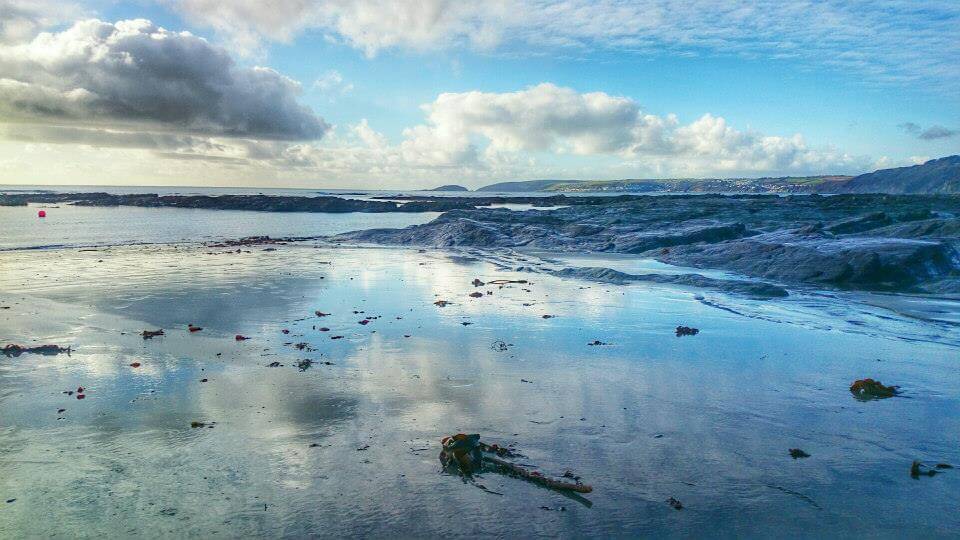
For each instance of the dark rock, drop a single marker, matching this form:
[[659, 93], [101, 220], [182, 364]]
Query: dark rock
[[16, 350], [870, 242], [816, 257], [606, 275], [918, 469]]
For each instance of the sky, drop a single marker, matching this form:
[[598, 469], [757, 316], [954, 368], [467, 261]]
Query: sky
[[403, 94]]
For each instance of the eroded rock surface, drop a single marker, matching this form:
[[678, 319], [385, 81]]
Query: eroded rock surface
[[866, 242]]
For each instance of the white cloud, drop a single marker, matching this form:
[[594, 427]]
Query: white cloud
[[368, 135], [369, 25], [544, 117], [541, 131], [20, 20], [891, 40], [549, 131], [548, 118], [332, 84], [135, 75]]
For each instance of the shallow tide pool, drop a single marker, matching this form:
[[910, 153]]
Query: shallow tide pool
[[351, 448]]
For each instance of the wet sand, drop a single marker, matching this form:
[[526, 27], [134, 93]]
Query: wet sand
[[351, 448]]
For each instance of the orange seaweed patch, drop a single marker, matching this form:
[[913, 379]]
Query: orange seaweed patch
[[866, 389]]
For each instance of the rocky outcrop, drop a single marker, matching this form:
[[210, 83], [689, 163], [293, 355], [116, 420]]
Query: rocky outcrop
[[687, 233], [863, 242], [821, 258], [738, 286]]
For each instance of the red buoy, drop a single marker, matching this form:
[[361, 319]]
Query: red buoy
[[42, 213]]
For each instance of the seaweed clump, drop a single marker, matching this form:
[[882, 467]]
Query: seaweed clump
[[467, 455], [461, 452], [867, 389]]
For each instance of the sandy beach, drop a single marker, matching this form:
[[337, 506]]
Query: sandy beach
[[348, 442]]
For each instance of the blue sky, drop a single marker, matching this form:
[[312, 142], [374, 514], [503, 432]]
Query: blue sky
[[376, 93]]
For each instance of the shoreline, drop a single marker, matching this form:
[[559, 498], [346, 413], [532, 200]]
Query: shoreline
[[346, 431], [899, 244], [600, 269]]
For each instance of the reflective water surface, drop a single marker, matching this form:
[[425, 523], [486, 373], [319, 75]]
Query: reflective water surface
[[78, 226], [351, 448]]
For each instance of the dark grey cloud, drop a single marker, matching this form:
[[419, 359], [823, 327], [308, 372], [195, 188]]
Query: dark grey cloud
[[98, 137], [937, 132], [930, 134], [168, 145], [134, 73]]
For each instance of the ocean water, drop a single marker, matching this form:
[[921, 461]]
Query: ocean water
[[83, 226], [350, 448]]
